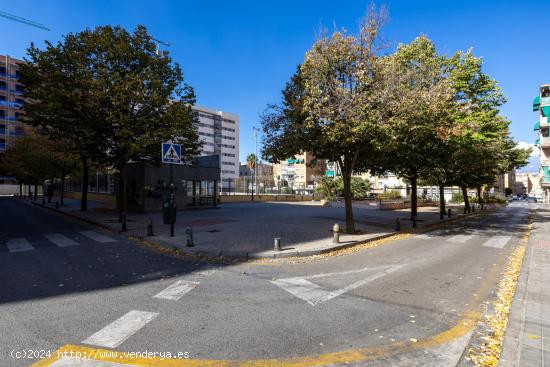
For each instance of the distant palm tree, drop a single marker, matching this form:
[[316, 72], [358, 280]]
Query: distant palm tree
[[251, 161]]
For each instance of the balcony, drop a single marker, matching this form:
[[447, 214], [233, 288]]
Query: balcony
[[544, 142]]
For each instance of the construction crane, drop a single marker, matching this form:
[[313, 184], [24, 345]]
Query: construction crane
[[23, 20]]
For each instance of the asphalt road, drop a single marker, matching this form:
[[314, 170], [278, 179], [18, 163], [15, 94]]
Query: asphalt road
[[64, 282]]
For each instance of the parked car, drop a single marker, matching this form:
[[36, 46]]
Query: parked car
[[531, 199]]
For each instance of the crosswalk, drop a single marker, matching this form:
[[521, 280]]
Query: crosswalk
[[23, 244], [498, 242], [115, 333]]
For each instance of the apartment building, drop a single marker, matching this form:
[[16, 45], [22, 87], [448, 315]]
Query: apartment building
[[11, 101], [541, 104], [299, 173], [219, 132]]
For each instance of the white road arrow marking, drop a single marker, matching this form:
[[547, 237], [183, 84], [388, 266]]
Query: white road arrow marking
[[314, 294]]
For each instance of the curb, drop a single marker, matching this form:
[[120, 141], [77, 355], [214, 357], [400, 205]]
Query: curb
[[245, 256], [276, 255]]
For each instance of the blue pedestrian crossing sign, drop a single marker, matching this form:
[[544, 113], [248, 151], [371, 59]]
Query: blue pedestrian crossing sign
[[171, 153]]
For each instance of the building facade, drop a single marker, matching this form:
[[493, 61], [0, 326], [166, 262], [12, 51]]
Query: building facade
[[299, 173], [541, 105], [11, 104], [219, 132]]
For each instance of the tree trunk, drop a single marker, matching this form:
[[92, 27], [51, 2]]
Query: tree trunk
[[62, 193], [20, 189], [479, 199], [441, 200], [350, 225], [35, 191], [465, 196], [84, 197], [121, 192], [414, 200], [29, 192]]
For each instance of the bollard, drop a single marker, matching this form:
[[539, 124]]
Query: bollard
[[276, 244], [448, 213], [336, 233], [189, 232], [123, 217], [150, 227], [397, 224], [57, 204], [43, 201]]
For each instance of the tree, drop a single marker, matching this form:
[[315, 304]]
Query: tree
[[329, 188], [421, 98], [60, 100], [481, 143], [331, 106], [33, 159], [251, 161], [143, 96], [111, 94]]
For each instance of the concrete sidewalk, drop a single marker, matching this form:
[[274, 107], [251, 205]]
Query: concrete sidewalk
[[247, 230], [527, 339]]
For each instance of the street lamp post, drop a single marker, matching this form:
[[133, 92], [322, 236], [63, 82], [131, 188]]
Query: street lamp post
[[255, 183]]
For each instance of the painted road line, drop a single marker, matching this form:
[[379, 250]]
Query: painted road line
[[61, 240], [67, 361], [497, 241], [176, 290], [460, 238], [118, 331], [98, 237], [19, 245], [315, 294]]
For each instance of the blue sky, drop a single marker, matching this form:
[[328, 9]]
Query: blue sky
[[239, 54]]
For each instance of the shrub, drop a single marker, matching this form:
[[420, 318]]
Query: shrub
[[457, 197], [390, 195]]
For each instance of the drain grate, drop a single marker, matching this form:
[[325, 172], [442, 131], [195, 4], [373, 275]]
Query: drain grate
[[213, 231]]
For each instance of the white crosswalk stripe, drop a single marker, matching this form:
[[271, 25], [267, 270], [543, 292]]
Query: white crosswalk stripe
[[176, 290], [114, 334], [19, 245], [497, 241], [98, 237], [61, 240], [460, 238]]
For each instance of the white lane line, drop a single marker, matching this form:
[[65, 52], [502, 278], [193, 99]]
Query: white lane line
[[67, 361], [460, 238], [61, 240], [98, 237], [118, 331], [497, 241], [315, 294], [176, 290], [19, 245]]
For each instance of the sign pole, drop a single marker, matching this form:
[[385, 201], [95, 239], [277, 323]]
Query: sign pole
[[172, 219]]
